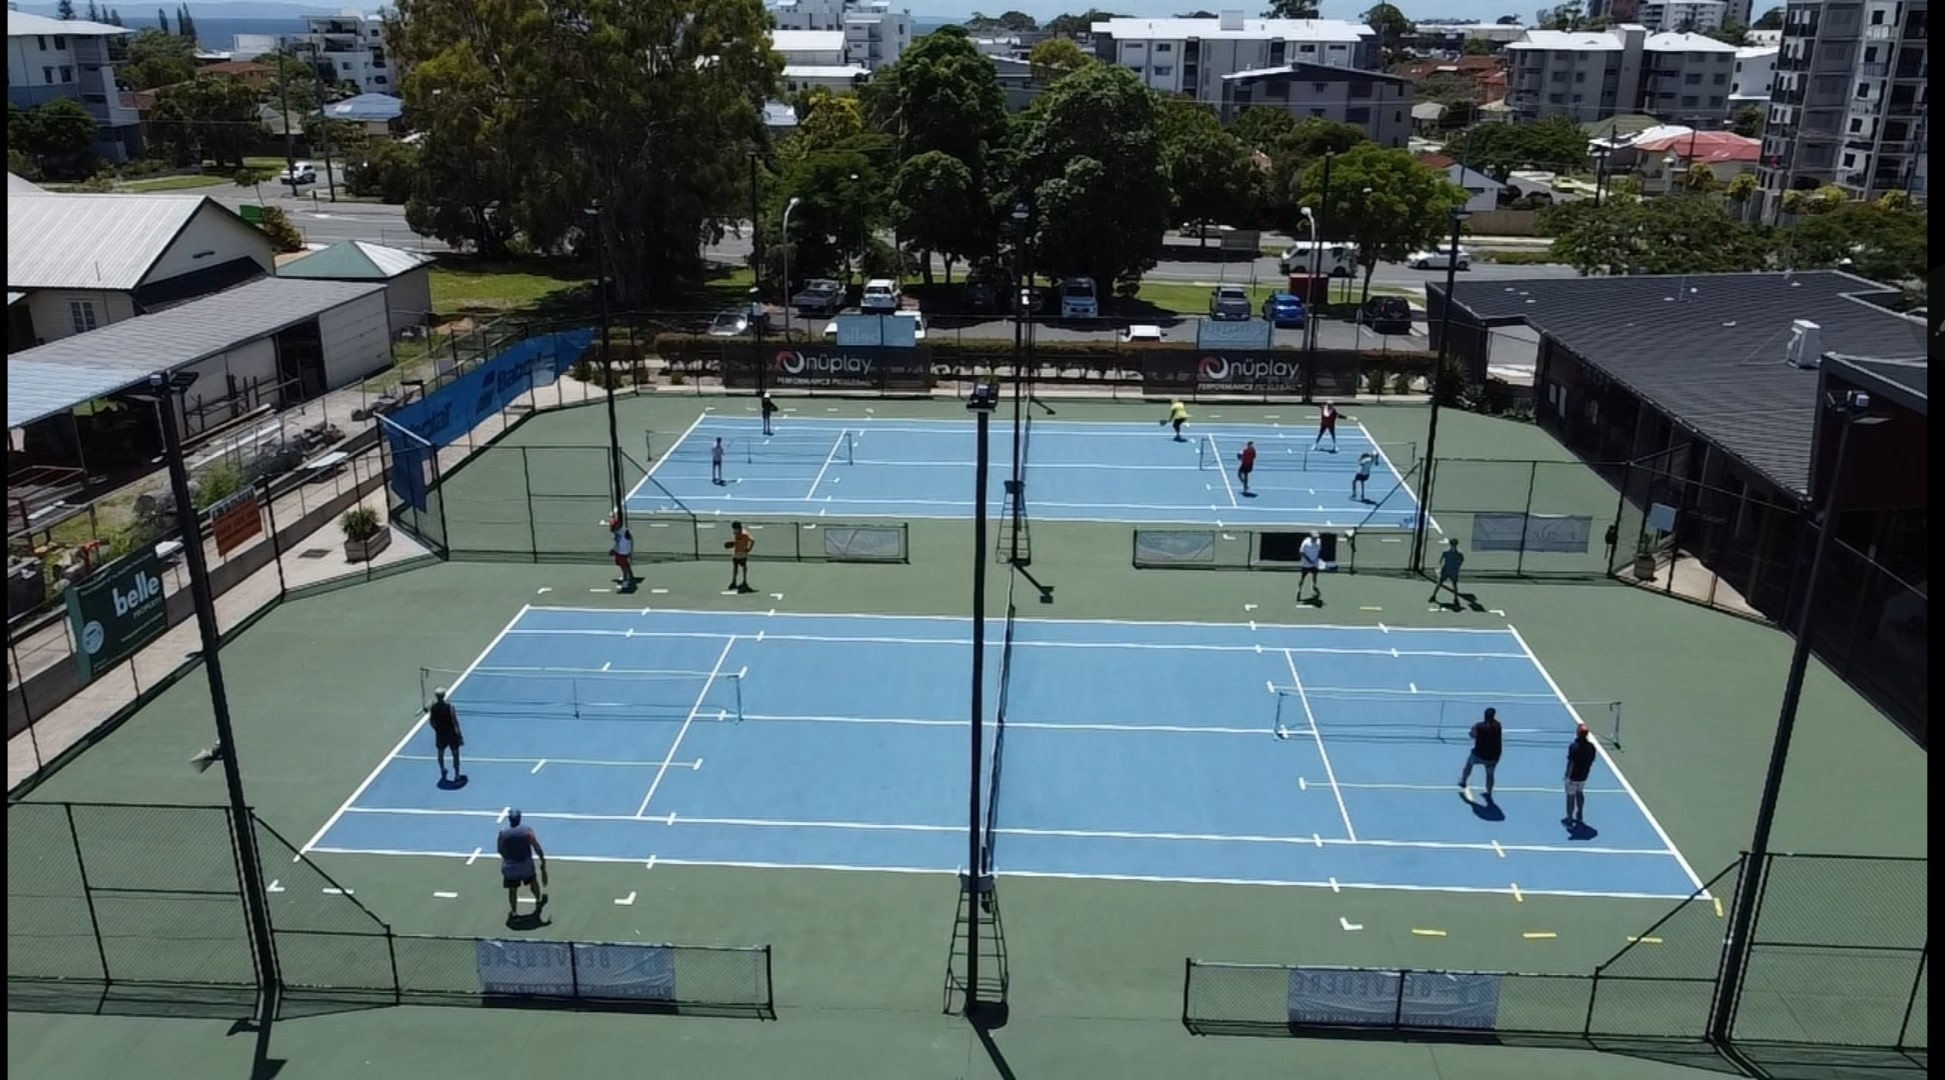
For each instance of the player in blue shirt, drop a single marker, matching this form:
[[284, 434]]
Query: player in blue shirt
[[1449, 562]]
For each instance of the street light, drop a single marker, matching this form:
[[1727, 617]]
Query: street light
[[1309, 292], [593, 211], [978, 881], [857, 200], [1016, 487], [1850, 411], [785, 240], [1438, 389], [164, 389]]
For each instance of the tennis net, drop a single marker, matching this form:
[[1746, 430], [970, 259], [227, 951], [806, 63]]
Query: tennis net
[[1529, 720], [837, 448], [1284, 454], [588, 693], [999, 729]]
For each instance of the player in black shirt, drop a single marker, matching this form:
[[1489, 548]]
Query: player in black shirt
[[444, 720], [1580, 763], [1488, 739]]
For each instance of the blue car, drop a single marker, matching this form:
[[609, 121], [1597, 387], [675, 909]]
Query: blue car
[[1283, 309]]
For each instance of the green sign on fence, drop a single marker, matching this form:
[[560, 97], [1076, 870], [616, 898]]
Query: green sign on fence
[[116, 611]]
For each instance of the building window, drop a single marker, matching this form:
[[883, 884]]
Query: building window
[[1165, 47], [82, 314], [40, 42], [47, 75], [1163, 71], [1693, 78], [1863, 90], [1689, 102], [67, 74], [1357, 116], [60, 42], [1877, 19]]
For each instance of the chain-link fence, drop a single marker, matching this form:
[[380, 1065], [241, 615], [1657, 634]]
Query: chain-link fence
[[120, 907], [1839, 958]]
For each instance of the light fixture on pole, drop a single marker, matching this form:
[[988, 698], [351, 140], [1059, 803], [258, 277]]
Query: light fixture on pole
[[857, 197], [1851, 410], [165, 389], [977, 882], [593, 211], [1016, 487], [1438, 390], [784, 239]]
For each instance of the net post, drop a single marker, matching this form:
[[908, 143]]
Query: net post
[[738, 683], [1614, 707], [527, 485], [88, 893], [1526, 517], [850, 447]]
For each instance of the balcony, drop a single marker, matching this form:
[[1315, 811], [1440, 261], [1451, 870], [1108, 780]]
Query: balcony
[[1875, 70]]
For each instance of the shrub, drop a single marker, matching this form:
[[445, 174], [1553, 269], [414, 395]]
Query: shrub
[[218, 482], [359, 523]]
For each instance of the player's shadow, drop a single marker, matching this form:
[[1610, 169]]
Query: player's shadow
[[1484, 808], [530, 920], [1311, 601], [452, 783], [1581, 831], [1467, 602]]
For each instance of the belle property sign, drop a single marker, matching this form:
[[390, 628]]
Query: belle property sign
[[116, 611]]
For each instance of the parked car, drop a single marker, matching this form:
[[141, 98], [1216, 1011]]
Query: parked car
[[880, 297], [819, 297], [1142, 332], [1439, 259], [1078, 299], [989, 288], [732, 323], [1229, 302], [299, 172], [1204, 230], [1283, 309], [1386, 315]]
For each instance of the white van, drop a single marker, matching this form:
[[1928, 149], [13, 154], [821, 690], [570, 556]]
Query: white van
[[1078, 299], [1333, 258], [881, 297]]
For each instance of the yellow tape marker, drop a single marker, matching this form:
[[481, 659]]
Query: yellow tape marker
[[1539, 935], [1427, 933], [1718, 907], [1644, 940], [1517, 898]]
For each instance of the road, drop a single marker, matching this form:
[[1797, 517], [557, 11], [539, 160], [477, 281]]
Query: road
[[324, 222]]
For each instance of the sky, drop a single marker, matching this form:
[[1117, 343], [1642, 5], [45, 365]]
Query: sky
[[1483, 10]]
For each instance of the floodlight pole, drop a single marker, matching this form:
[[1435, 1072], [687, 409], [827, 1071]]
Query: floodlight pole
[[1438, 389], [984, 399], [1849, 409], [1021, 216], [593, 211], [165, 389]]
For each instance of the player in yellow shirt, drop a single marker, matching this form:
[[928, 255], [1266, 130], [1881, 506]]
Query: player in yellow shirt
[[1178, 417], [740, 544]]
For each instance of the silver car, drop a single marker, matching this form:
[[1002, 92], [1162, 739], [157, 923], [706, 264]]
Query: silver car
[[1229, 302]]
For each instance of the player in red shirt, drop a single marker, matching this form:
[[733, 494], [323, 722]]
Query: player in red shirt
[[1246, 464], [1327, 425]]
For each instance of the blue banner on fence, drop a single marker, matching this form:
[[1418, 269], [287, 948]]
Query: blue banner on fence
[[578, 970], [447, 414], [412, 465], [1346, 997]]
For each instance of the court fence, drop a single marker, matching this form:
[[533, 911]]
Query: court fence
[[1819, 972], [140, 908]]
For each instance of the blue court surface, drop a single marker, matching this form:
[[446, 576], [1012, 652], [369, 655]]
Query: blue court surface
[[1132, 750], [1075, 471]]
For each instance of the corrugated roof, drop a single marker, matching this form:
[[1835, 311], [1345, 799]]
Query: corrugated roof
[[91, 241], [803, 41], [20, 185], [1902, 380], [22, 24], [354, 260], [1330, 30], [1708, 349], [366, 108], [56, 377]]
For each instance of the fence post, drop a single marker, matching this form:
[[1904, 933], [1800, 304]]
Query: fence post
[[1593, 995], [1188, 974], [88, 893], [527, 486], [1526, 519], [391, 954], [1911, 999]]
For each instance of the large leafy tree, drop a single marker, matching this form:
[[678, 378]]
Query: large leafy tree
[[1884, 240], [1296, 149], [1291, 9], [1261, 128], [1076, 25], [840, 198], [1556, 144], [936, 207], [1209, 169], [1674, 234], [531, 112], [157, 58], [1385, 202], [58, 138], [1056, 58], [209, 118], [1089, 164]]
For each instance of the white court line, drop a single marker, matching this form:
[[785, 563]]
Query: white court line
[[1303, 628], [414, 730], [1065, 834], [1329, 773], [919, 721], [836, 445], [1220, 471], [953, 871], [687, 722], [964, 642], [1619, 778], [1446, 789], [666, 454], [1392, 467], [595, 762]]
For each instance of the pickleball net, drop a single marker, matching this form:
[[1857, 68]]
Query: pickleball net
[[1393, 716], [1300, 453], [836, 448], [999, 730], [588, 693]]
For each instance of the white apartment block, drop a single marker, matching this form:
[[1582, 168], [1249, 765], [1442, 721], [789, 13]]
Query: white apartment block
[[1749, 83], [1849, 100], [1593, 75], [49, 59], [874, 34], [1192, 56], [1372, 100], [345, 48], [1672, 16]]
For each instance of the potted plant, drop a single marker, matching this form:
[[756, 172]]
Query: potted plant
[[365, 535], [1644, 559]]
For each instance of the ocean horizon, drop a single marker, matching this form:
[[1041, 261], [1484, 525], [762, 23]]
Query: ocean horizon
[[219, 35]]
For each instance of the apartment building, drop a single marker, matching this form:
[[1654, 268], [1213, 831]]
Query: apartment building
[[1670, 16], [50, 59], [1589, 76], [1750, 81], [345, 48], [1372, 100], [1192, 56], [1848, 102], [875, 35]]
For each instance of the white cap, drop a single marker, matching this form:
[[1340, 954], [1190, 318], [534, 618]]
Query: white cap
[[440, 693]]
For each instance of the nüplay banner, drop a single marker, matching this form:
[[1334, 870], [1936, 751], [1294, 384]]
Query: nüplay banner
[[826, 367]]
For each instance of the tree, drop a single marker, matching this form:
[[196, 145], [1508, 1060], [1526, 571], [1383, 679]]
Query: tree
[[1089, 166], [162, 20], [1770, 20], [1675, 235], [1741, 188], [528, 112], [1291, 9], [1556, 144], [1012, 22], [1730, 33], [64, 10], [185, 23], [210, 117], [830, 120], [1747, 121], [254, 178], [158, 59], [1885, 240], [60, 136], [936, 207], [382, 169], [1507, 20], [840, 197], [1076, 25], [114, 17], [1384, 201], [283, 235], [93, 13], [1304, 144], [1261, 128], [1208, 169], [1056, 58], [1698, 179], [1392, 28], [942, 95], [1569, 15], [1476, 47]]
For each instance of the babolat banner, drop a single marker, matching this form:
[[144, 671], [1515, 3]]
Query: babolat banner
[[116, 611], [448, 413], [1227, 371], [827, 367]]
